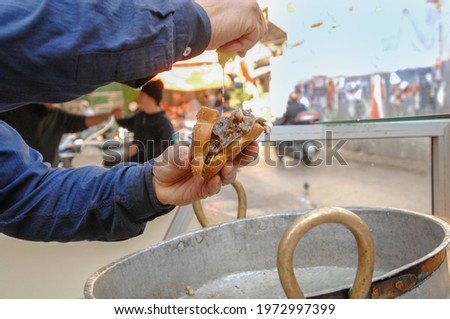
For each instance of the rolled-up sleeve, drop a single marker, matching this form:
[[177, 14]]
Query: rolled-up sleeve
[[58, 50], [40, 203]]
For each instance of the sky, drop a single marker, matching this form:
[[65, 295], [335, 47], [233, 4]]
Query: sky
[[341, 37], [351, 37]]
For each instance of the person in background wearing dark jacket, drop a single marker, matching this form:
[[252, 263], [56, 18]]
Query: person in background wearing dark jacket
[[153, 131], [42, 126], [294, 107]]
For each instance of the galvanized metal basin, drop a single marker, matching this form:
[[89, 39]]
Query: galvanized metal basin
[[239, 260]]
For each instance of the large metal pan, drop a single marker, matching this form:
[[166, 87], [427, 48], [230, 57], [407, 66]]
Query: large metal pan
[[239, 260]]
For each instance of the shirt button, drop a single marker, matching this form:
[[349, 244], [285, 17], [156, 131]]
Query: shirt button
[[187, 51]]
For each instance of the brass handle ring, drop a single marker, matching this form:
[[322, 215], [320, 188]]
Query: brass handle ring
[[303, 223], [242, 205]]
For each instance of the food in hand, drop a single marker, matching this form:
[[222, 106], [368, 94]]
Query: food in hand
[[218, 140]]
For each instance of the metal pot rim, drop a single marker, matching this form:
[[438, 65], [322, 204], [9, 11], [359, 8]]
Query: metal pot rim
[[89, 285]]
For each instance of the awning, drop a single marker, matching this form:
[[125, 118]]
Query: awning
[[200, 73]]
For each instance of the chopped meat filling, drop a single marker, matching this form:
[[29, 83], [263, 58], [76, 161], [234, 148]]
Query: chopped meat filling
[[228, 129]]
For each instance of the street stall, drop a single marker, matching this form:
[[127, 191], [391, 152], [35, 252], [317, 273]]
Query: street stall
[[241, 256], [358, 64], [200, 73], [329, 252]]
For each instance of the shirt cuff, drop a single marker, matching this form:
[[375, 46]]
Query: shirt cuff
[[192, 29], [192, 33], [150, 208]]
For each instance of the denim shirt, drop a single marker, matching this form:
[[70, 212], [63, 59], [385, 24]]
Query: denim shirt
[[41, 203], [54, 51], [57, 50]]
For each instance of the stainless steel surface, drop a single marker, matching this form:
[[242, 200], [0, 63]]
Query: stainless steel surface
[[180, 222], [441, 173], [238, 259], [359, 130], [437, 129]]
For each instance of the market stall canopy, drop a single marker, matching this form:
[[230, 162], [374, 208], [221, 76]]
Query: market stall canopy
[[200, 73]]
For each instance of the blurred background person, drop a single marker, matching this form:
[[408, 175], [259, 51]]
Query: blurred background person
[[153, 131], [43, 125], [227, 108], [190, 105], [293, 107], [133, 107]]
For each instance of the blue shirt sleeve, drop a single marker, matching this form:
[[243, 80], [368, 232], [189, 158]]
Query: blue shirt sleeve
[[57, 50], [40, 203]]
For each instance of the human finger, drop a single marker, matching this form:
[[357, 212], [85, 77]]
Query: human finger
[[242, 44], [229, 172], [212, 186], [231, 29], [248, 155], [172, 163]]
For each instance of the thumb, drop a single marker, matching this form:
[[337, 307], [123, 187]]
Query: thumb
[[213, 186]]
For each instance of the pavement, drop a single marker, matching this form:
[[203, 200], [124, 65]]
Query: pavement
[[362, 181], [56, 270]]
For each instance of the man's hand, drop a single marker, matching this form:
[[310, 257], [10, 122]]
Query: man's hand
[[236, 25], [174, 183], [117, 112]]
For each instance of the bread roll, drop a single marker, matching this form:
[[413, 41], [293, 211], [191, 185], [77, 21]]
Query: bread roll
[[234, 133], [201, 135]]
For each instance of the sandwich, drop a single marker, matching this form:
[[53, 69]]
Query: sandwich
[[217, 140]]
